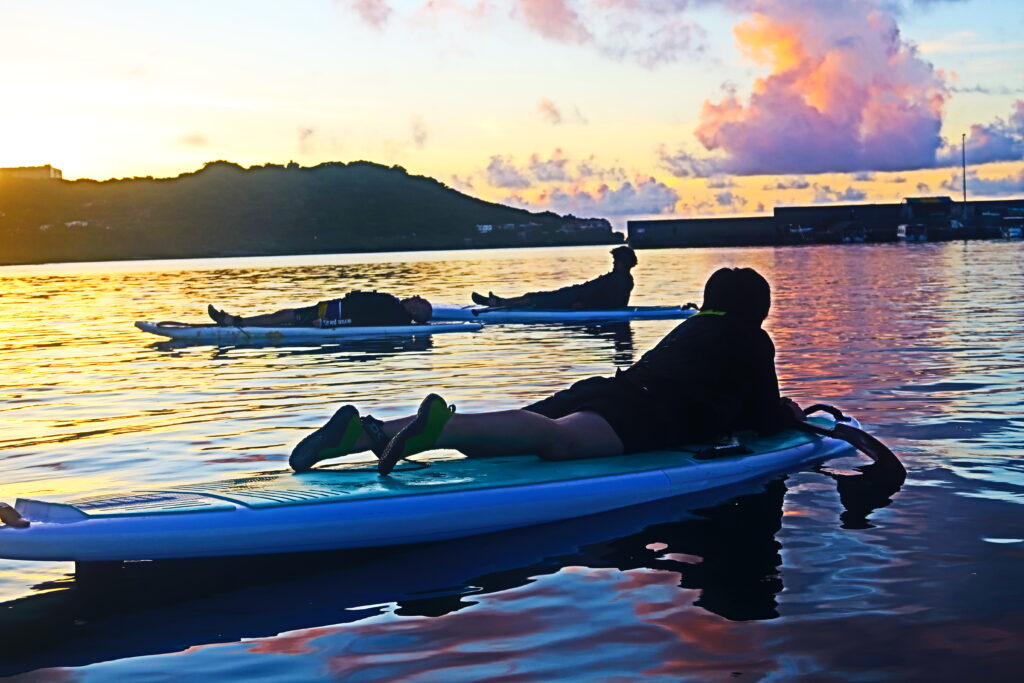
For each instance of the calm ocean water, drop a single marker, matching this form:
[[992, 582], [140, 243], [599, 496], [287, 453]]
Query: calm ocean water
[[822, 575]]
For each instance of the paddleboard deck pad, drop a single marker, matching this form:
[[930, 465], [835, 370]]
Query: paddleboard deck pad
[[452, 312], [350, 506], [218, 333]]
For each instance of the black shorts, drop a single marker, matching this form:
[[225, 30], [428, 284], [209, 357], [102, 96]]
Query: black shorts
[[640, 421], [328, 311]]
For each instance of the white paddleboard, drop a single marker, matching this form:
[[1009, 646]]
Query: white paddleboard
[[220, 333], [351, 506]]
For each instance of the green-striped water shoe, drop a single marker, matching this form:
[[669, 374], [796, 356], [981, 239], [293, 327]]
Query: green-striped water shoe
[[419, 435], [333, 440]]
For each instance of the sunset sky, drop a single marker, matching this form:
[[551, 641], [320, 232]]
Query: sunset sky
[[616, 108]]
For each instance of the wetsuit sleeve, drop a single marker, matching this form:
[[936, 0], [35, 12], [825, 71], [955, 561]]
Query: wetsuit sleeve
[[373, 308], [610, 290]]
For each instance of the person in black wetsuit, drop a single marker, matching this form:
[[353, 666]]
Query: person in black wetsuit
[[353, 309], [610, 290], [712, 375]]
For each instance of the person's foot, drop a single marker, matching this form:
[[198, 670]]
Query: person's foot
[[419, 435], [219, 317], [333, 440], [480, 299], [12, 517]]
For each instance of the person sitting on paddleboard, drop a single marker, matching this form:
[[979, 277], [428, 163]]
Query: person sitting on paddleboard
[[610, 290], [711, 376], [354, 309]]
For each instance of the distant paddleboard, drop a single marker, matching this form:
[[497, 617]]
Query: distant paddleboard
[[451, 312], [351, 506], [218, 333]]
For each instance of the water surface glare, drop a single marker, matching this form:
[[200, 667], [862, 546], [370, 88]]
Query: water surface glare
[[821, 575]]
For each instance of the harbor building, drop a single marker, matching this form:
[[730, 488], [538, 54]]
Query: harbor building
[[46, 172], [930, 218]]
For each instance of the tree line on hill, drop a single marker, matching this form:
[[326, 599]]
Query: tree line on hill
[[224, 209]]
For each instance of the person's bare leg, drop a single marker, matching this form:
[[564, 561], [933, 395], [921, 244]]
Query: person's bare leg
[[520, 432]]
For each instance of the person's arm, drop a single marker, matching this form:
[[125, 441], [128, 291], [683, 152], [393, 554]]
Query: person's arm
[[772, 413]]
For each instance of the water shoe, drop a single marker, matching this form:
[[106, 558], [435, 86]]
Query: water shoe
[[419, 435], [333, 440]]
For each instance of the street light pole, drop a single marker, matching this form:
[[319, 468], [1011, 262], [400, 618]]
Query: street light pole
[[963, 173]]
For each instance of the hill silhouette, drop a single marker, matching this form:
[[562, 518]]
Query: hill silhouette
[[224, 209]]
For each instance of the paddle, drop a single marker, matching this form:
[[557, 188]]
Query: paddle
[[858, 438]]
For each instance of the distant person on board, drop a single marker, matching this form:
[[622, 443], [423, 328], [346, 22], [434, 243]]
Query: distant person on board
[[610, 290], [353, 309], [711, 376]]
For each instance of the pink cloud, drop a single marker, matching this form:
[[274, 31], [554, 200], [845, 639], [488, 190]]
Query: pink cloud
[[645, 197], [844, 93], [550, 111], [554, 19], [373, 12], [997, 141]]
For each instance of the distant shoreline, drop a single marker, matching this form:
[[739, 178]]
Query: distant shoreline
[[487, 247]]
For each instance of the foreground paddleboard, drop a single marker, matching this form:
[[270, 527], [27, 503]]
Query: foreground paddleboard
[[451, 312], [351, 506], [218, 333]]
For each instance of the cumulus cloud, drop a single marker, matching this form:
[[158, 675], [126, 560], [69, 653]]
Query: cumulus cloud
[[502, 172], [730, 200], [683, 164], [989, 187], [647, 32], [719, 182], [791, 183], [590, 168], [824, 194], [845, 93], [553, 19], [550, 170], [373, 12], [1001, 140], [924, 188], [864, 177], [461, 182], [896, 179], [557, 168], [645, 197]]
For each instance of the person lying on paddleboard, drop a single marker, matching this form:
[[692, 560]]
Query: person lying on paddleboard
[[610, 290], [711, 376], [354, 309]]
